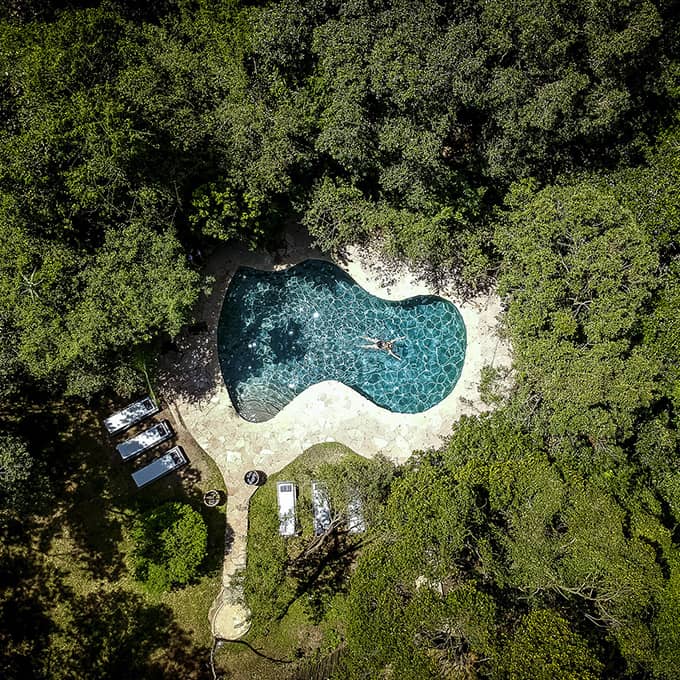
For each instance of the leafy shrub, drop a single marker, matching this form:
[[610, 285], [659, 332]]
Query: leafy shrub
[[170, 543], [16, 466]]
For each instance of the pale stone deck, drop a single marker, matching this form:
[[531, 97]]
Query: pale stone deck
[[328, 411]]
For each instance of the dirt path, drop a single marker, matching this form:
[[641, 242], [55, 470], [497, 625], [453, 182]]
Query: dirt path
[[228, 616]]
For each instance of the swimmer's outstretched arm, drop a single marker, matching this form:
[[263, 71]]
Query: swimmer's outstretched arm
[[392, 354]]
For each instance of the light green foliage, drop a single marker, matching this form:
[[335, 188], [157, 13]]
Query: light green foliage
[[409, 623], [79, 310], [543, 647], [354, 479], [493, 384], [338, 214], [417, 236], [138, 285], [409, 606], [559, 532], [266, 586], [222, 213], [429, 547], [667, 627], [170, 542], [572, 539], [485, 439], [489, 523], [579, 273], [656, 449]]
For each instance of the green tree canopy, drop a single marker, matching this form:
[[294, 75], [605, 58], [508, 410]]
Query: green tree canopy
[[490, 528], [579, 277], [170, 545], [544, 647]]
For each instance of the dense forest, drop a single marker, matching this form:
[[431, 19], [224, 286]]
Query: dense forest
[[531, 147]]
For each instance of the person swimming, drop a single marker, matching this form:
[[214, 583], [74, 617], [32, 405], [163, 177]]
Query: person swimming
[[384, 345]]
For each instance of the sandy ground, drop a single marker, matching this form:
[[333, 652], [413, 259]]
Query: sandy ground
[[329, 411]]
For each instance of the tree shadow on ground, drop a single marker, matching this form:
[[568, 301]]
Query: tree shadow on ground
[[228, 538], [89, 499], [117, 634], [76, 490], [29, 589], [323, 574], [184, 369]]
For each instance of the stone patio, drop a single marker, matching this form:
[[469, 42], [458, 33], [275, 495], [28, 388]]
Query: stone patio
[[192, 383]]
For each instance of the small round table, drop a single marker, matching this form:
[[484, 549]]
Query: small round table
[[253, 478], [212, 498]]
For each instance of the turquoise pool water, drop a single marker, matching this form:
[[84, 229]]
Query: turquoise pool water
[[281, 332]]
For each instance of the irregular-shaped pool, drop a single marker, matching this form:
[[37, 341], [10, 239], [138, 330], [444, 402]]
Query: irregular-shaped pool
[[281, 332]]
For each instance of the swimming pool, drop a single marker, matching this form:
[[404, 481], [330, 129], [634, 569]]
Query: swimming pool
[[281, 332]]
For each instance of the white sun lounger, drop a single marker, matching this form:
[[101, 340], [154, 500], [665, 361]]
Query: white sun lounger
[[172, 460], [355, 517], [286, 493], [130, 415], [321, 508], [145, 440]]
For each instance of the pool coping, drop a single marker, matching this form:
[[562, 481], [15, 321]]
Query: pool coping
[[191, 382]]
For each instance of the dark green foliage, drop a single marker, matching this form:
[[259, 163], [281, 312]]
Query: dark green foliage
[[399, 122], [16, 469], [91, 263], [105, 634], [170, 545], [423, 107]]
